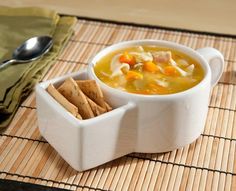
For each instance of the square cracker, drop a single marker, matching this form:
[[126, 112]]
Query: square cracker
[[63, 101], [73, 93], [93, 91], [108, 107], [97, 110]]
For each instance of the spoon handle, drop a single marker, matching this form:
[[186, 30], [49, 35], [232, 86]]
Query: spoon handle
[[6, 62]]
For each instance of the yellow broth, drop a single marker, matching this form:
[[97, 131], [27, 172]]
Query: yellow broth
[[139, 80]]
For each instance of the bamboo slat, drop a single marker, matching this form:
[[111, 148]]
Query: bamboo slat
[[209, 163]]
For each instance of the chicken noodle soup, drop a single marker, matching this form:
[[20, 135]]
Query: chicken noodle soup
[[149, 70]]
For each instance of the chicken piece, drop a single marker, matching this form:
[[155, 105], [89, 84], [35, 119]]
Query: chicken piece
[[118, 68], [174, 64], [162, 56], [142, 56], [190, 69]]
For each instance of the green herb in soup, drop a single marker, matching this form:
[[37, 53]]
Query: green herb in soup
[[149, 70]]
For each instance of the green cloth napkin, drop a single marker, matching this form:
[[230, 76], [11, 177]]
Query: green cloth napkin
[[16, 26]]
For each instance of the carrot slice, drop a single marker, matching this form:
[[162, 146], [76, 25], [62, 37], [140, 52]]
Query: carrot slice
[[171, 71], [127, 58], [150, 67], [132, 75]]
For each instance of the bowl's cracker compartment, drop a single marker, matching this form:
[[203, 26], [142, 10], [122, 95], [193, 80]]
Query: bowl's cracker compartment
[[82, 141], [82, 98]]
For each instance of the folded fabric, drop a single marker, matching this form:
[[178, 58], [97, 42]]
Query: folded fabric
[[17, 25]]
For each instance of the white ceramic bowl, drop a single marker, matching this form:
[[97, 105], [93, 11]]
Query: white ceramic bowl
[[139, 123]]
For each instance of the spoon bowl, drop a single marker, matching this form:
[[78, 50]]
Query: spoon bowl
[[30, 50]]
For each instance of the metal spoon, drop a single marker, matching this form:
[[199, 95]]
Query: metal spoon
[[30, 50]]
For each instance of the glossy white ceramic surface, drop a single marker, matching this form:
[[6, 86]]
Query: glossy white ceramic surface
[[139, 123], [85, 143], [167, 122]]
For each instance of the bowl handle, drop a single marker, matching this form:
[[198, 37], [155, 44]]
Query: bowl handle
[[216, 62]]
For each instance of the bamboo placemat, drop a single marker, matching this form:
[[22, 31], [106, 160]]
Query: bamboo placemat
[[207, 164]]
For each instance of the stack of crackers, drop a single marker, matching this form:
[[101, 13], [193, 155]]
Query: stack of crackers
[[82, 98]]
